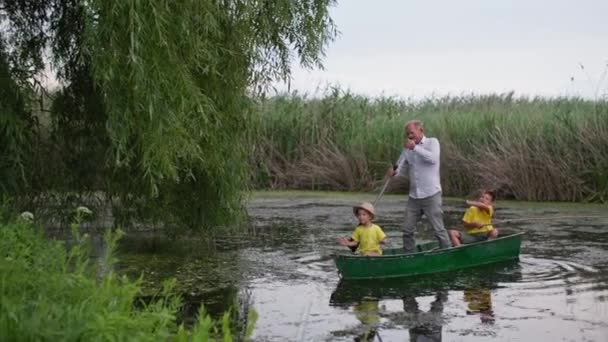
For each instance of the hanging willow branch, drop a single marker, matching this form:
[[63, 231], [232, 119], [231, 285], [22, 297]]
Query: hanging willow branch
[[156, 99]]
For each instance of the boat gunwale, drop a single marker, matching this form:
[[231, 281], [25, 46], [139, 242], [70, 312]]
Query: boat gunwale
[[427, 252]]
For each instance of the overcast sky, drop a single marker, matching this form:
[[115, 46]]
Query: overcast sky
[[418, 48]]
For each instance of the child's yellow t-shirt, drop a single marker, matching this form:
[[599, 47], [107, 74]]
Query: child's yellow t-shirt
[[369, 238], [474, 214]]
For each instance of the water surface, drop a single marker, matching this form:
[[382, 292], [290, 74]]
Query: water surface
[[281, 266]]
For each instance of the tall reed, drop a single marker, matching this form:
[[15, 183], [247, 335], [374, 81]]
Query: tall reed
[[527, 148]]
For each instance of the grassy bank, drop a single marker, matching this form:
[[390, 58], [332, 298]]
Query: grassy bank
[[52, 292], [527, 148]]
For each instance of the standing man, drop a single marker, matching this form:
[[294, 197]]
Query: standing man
[[420, 157]]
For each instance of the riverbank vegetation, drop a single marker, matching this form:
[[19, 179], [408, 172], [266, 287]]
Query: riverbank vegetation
[[53, 290], [527, 148]]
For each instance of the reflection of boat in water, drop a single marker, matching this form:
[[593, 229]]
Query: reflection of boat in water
[[352, 291], [422, 325], [364, 297], [396, 263]]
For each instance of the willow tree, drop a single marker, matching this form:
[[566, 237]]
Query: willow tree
[[153, 96]]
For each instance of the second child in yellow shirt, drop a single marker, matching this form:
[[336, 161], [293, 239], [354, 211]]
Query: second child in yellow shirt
[[367, 235], [477, 221]]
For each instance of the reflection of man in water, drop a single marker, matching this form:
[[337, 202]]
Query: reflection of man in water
[[428, 324], [367, 313], [480, 302]]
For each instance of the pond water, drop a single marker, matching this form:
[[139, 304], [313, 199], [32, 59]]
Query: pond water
[[281, 267]]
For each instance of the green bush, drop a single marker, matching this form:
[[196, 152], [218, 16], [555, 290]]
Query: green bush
[[49, 291]]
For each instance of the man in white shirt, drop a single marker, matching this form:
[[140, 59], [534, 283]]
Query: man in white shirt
[[420, 157]]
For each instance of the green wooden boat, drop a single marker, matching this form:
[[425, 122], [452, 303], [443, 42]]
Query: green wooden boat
[[429, 259]]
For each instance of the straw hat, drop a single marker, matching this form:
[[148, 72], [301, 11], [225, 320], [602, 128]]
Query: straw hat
[[367, 207]]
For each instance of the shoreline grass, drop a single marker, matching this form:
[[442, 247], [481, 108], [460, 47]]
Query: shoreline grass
[[358, 196]]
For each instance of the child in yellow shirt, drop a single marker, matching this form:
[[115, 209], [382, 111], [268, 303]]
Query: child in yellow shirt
[[477, 221], [367, 235]]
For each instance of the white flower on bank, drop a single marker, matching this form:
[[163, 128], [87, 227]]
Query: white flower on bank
[[27, 216], [84, 210]]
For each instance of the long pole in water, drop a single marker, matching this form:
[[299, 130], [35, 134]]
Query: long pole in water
[[388, 179]]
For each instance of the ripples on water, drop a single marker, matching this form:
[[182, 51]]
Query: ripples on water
[[557, 291]]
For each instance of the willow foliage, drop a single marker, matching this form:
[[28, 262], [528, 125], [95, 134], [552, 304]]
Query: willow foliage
[[155, 94], [15, 131]]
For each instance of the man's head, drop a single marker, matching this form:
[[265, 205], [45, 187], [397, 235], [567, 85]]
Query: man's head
[[414, 130]]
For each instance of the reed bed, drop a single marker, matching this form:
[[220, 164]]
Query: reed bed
[[526, 148]]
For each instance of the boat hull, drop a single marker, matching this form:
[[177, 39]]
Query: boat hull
[[394, 263]]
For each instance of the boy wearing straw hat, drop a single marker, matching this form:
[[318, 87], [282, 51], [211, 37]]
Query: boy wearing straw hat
[[367, 235]]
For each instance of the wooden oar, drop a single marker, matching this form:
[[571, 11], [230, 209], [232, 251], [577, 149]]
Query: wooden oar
[[540, 219]]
